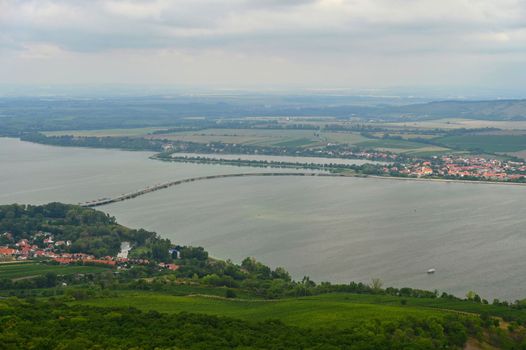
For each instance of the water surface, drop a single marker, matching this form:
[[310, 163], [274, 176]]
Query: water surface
[[337, 229], [343, 229]]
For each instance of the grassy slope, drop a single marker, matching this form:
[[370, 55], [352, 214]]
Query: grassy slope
[[13, 271], [334, 310]]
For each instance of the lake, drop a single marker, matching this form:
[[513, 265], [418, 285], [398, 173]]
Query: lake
[[35, 174], [336, 229]]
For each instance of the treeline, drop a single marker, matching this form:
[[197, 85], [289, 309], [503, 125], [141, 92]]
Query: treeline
[[31, 324], [369, 168], [122, 142], [138, 144], [262, 281]]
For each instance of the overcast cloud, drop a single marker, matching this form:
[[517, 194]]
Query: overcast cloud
[[266, 43]]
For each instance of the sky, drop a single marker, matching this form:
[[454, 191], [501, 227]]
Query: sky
[[228, 44]]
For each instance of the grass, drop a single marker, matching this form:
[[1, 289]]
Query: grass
[[331, 310], [487, 143], [259, 137], [326, 310], [26, 270]]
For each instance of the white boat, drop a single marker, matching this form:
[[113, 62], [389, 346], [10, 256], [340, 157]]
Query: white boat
[[431, 271]]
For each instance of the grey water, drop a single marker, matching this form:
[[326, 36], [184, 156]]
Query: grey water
[[335, 229]]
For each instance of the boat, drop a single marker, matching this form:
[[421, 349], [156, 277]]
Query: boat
[[431, 271]]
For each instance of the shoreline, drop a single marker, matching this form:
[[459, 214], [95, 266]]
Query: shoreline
[[154, 156], [343, 174], [474, 182]]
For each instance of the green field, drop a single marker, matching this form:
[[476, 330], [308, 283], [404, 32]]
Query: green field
[[296, 143], [28, 270], [352, 138], [257, 137], [486, 143], [309, 138], [402, 146], [299, 138], [335, 310]]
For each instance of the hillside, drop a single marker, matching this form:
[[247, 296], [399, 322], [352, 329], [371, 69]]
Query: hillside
[[206, 303], [484, 110], [18, 116]]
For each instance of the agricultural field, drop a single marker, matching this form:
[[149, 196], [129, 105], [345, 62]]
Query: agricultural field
[[257, 137], [406, 135], [334, 310], [457, 123], [352, 138], [486, 143], [274, 138], [402, 146], [34, 269], [511, 138]]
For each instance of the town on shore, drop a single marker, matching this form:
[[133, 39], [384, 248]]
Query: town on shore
[[42, 246]]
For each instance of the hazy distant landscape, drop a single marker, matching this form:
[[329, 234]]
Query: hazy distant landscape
[[307, 174], [353, 228]]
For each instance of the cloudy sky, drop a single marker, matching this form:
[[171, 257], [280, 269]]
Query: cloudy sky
[[265, 43]]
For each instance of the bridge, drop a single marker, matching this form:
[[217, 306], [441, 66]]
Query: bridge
[[121, 198]]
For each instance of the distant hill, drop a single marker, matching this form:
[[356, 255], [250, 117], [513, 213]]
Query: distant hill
[[487, 110], [36, 114]]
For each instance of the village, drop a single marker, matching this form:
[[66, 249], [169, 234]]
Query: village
[[462, 167], [42, 246]]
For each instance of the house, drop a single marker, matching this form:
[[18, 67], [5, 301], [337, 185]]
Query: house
[[175, 253], [22, 243], [171, 267], [99, 261], [64, 260], [7, 251], [40, 253], [25, 250]]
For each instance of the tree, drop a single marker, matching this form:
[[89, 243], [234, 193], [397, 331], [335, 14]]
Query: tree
[[193, 253], [161, 251], [376, 285], [51, 279], [230, 293]]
